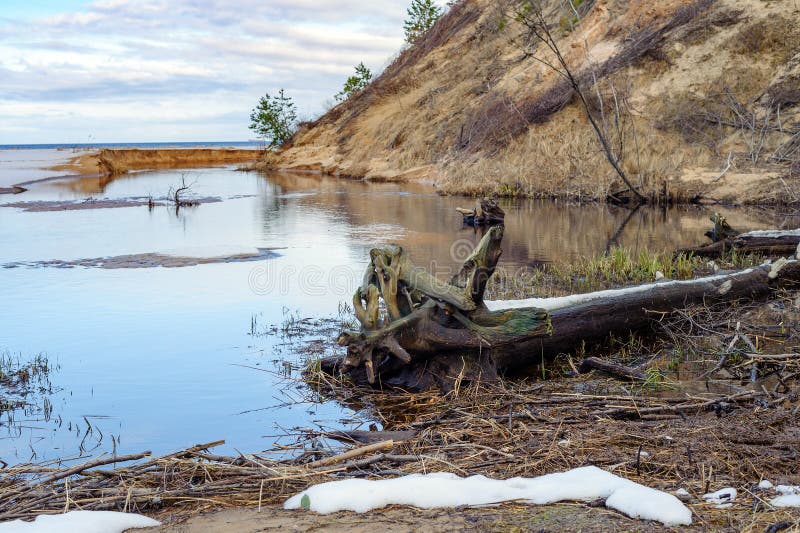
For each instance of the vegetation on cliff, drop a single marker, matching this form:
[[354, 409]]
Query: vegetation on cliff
[[698, 101]]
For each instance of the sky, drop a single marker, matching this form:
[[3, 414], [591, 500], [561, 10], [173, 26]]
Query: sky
[[76, 71]]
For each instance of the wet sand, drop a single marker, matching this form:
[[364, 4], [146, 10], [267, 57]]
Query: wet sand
[[395, 519], [148, 260], [104, 203], [27, 167]]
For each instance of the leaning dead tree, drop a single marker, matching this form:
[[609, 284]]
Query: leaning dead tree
[[418, 331]]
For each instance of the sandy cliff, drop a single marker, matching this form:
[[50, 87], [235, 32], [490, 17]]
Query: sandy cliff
[[701, 99]]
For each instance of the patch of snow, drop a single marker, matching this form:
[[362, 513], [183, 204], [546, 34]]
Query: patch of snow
[[644, 454], [772, 233], [551, 304], [724, 498], [788, 489], [682, 492], [764, 484], [563, 442], [80, 522], [667, 437], [449, 490], [786, 500]]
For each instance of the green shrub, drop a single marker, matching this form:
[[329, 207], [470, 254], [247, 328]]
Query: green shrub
[[356, 82], [422, 14], [274, 119]]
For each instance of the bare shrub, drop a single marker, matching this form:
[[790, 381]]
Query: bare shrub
[[503, 118], [786, 92], [778, 37], [700, 30]]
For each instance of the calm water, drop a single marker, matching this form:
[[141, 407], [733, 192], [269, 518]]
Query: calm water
[[21, 163], [163, 358]]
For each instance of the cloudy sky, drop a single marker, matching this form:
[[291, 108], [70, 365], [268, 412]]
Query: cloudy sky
[[75, 71]]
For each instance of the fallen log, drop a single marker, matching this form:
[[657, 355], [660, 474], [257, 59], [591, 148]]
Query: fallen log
[[772, 243], [430, 333]]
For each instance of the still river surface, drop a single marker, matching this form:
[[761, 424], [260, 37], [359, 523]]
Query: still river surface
[[163, 358]]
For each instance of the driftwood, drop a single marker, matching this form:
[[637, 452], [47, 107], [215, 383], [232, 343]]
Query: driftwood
[[776, 243], [429, 329], [614, 369], [426, 332], [486, 212]]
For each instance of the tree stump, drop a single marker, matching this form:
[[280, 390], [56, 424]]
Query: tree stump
[[487, 212], [417, 330]]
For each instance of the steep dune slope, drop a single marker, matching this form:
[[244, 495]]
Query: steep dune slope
[[701, 99]]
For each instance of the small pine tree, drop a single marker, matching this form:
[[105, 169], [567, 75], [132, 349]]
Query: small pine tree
[[274, 119], [422, 14], [355, 83]]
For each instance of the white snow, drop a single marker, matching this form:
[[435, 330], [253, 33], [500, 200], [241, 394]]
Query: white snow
[[551, 304], [448, 490], [789, 495], [724, 498], [682, 492], [644, 454], [80, 522], [771, 233], [786, 500]]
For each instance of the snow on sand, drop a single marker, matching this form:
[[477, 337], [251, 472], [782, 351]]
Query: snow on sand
[[448, 490], [80, 522]]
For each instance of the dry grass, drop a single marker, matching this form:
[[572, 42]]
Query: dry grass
[[616, 268], [778, 39], [469, 100], [563, 159]]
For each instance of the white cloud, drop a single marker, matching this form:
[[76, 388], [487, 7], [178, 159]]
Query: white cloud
[[125, 70]]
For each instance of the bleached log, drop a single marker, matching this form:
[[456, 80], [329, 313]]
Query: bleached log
[[771, 243]]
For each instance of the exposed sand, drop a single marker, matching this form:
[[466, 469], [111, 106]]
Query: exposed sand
[[148, 260], [116, 161], [103, 203], [108, 162], [559, 517], [477, 113]]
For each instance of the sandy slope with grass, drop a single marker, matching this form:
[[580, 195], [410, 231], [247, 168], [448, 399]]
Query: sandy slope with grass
[[700, 98], [118, 161]]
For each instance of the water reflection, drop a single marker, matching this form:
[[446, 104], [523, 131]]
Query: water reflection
[[163, 358]]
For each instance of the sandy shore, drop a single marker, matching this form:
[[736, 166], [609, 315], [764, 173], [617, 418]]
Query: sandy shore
[[118, 161], [110, 162], [557, 517]]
